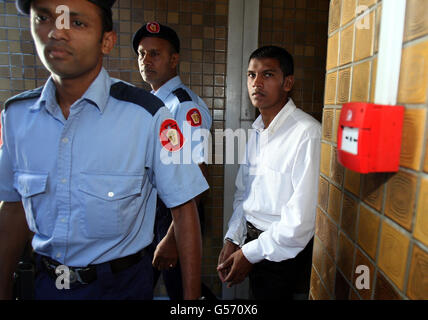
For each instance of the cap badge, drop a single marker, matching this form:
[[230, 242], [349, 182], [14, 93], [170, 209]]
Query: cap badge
[[153, 27]]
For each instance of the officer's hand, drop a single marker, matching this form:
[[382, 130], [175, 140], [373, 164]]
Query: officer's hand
[[225, 253], [239, 268], [166, 254]]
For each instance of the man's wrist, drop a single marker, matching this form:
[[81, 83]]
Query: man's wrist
[[231, 240]]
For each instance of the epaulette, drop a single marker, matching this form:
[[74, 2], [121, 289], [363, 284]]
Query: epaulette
[[182, 95], [30, 94], [126, 92]]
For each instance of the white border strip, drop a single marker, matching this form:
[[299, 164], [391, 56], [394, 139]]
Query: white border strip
[[390, 48]]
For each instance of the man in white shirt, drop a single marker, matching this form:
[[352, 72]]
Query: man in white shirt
[[270, 235]]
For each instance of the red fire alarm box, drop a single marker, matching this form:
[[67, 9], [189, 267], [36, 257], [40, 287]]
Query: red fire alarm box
[[369, 137]]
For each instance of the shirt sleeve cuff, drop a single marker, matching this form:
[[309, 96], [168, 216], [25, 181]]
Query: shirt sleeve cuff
[[235, 236], [252, 251], [10, 197]]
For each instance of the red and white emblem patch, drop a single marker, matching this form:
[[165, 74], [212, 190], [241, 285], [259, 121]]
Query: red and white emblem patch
[[170, 135], [153, 27], [194, 117]]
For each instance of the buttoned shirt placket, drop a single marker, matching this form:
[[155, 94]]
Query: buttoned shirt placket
[[63, 185]]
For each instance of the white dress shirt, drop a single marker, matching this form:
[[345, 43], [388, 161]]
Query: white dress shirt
[[277, 187]]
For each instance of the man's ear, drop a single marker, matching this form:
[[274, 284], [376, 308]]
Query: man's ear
[[175, 59], [109, 40], [288, 83]]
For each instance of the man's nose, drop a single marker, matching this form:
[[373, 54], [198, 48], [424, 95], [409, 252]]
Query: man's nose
[[58, 33], [258, 81], [145, 60]]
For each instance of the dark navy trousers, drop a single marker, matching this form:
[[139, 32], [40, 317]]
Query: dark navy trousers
[[133, 283]]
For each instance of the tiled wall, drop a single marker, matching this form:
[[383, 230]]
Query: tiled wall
[[376, 220], [202, 28], [300, 26]]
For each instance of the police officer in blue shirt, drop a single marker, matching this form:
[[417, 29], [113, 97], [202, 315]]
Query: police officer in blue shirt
[[158, 48], [82, 163]]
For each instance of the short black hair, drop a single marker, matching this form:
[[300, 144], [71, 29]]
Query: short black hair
[[107, 19], [285, 59]]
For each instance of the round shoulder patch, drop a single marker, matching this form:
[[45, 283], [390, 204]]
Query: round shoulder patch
[[153, 27], [194, 117], [170, 135]]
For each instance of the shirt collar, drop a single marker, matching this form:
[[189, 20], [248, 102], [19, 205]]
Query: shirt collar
[[277, 121], [164, 91], [97, 93]]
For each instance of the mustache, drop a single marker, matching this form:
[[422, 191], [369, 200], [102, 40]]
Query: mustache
[[258, 92], [145, 69], [57, 47]]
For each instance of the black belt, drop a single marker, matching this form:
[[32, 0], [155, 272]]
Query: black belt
[[88, 274], [252, 232]]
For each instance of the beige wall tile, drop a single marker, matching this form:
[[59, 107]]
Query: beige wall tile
[[325, 159], [368, 230], [384, 290], [330, 88], [348, 11], [328, 273], [327, 127], [318, 254], [417, 288], [317, 289], [400, 198], [346, 45], [416, 19], [393, 251], [334, 16], [345, 255], [352, 181], [326, 230], [341, 287], [323, 193], [333, 51], [414, 74], [343, 86], [360, 82], [334, 203], [337, 171], [336, 124], [412, 138], [364, 38], [362, 260], [349, 216], [372, 189], [421, 224], [367, 3]]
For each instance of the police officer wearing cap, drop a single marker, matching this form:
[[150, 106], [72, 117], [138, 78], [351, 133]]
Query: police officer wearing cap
[[158, 48], [81, 165]]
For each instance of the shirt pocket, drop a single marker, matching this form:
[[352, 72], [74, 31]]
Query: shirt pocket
[[109, 203], [32, 187]]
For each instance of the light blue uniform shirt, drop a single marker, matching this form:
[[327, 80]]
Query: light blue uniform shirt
[[181, 109], [89, 183]]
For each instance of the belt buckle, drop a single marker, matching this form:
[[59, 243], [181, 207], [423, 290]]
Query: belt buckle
[[75, 275]]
